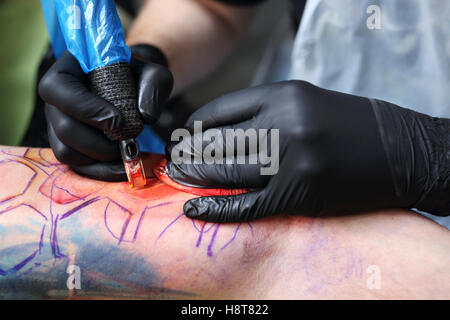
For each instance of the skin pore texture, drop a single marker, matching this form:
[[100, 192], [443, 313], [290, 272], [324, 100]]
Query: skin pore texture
[[138, 244]]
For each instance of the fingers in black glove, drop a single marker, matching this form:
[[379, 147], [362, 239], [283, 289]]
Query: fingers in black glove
[[110, 169], [111, 172], [154, 80], [243, 207], [331, 157], [78, 118], [81, 137], [65, 87]]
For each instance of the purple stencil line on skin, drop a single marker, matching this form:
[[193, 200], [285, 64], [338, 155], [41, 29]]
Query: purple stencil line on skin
[[41, 241], [234, 237], [9, 199], [24, 262], [119, 205], [25, 205], [27, 185], [42, 158], [32, 163], [213, 238], [60, 255], [9, 154], [79, 207], [202, 231], [78, 198], [37, 163], [106, 224], [168, 226], [53, 239], [144, 212], [51, 195], [196, 227], [345, 259], [124, 229], [251, 227], [71, 194], [30, 181], [45, 181], [124, 226], [46, 161], [210, 228], [139, 224], [126, 223], [199, 240]]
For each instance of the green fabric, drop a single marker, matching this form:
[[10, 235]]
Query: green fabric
[[23, 39]]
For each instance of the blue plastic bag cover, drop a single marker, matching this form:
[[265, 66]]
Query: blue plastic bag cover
[[92, 31], [150, 142], [54, 31]]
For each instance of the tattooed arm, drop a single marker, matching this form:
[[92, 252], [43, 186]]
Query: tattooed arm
[[137, 244]]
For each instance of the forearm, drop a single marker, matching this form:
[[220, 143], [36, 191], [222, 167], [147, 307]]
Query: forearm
[[388, 254], [195, 35], [138, 244], [126, 243], [279, 258], [161, 255]]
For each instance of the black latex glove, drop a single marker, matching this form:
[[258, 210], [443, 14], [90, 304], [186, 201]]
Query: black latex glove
[[338, 154], [77, 118]]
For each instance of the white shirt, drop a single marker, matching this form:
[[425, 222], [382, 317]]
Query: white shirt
[[393, 50]]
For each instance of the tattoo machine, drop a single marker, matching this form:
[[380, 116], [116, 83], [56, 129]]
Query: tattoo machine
[[92, 32]]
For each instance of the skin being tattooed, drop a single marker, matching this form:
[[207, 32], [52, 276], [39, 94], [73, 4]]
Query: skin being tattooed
[[138, 244]]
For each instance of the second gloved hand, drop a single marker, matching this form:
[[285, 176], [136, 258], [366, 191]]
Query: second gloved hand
[[77, 118], [337, 153]]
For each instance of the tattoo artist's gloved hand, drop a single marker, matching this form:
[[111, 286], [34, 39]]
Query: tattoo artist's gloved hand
[[77, 118], [338, 154]]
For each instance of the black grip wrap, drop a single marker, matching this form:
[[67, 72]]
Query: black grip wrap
[[115, 84], [418, 149]]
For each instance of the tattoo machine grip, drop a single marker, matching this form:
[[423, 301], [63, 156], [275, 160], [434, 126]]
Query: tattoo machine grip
[[115, 84]]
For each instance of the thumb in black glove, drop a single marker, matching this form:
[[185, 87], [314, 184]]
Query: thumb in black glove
[[77, 118], [338, 154]]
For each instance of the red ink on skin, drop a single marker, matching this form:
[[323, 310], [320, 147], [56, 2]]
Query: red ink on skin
[[160, 172], [79, 187], [154, 189], [64, 187]]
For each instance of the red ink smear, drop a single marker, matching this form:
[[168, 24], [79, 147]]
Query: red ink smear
[[153, 190], [160, 172], [67, 187]]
